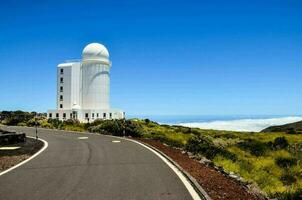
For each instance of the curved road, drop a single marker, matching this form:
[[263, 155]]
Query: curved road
[[93, 168]]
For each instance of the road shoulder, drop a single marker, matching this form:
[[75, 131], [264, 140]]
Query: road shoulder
[[11, 159]]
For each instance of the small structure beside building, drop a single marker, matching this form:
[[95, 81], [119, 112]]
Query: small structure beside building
[[83, 87]]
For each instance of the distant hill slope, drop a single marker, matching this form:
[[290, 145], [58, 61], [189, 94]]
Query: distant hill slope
[[296, 126]]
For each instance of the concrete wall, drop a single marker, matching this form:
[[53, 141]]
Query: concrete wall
[[76, 94], [95, 85], [92, 114], [66, 84]]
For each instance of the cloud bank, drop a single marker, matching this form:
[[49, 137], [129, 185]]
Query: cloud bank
[[249, 125]]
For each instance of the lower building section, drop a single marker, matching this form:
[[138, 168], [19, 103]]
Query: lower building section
[[85, 115]]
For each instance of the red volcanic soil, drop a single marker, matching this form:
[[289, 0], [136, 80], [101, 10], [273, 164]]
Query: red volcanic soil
[[217, 185]]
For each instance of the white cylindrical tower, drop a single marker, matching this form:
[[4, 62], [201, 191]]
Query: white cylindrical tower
[[95, 77]]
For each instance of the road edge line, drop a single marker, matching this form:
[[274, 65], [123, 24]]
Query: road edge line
[[28, 159], [190, 178], [176, 169]]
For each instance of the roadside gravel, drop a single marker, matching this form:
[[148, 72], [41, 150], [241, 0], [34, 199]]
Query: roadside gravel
[[213, 182], [9, 158]]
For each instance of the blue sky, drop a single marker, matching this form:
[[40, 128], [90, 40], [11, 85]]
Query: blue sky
[[169, 57]]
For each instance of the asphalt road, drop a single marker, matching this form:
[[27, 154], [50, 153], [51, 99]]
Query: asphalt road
[[93, 168]]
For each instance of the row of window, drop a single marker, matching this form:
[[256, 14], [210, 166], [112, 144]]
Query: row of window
[[97, 115], [61, 87], [86, 115], [57, 115]]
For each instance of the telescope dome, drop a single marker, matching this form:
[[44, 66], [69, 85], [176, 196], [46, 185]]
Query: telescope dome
[[95, 51]]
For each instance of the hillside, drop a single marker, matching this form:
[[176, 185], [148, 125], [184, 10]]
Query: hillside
[[295, 127]]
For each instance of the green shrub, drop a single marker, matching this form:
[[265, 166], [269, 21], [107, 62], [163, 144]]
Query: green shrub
[[21, 124], [73, 122], [290, 195], [12, 118], [45, 124], [132, 128], [117, 128], [280, 143], [288, 179], [170, 141], [32, 122], [291, 131], [55, 123], [255, 147], [285, 162], [203, 146], [96, 122]]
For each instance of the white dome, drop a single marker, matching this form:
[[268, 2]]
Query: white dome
[[95, 51]]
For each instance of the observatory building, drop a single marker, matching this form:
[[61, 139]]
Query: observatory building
[[83, 87]]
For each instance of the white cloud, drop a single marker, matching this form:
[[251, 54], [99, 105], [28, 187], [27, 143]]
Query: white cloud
[[254, 125]]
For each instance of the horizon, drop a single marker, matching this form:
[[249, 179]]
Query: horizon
[[198, 59]]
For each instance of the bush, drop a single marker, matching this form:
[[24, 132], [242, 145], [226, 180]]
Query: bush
[[45, 124], [203, 146], [21, 124], [117, 128], [290, 195], [12, 118], [133, 128], [288, 179], [71, 122], [33, 122], [169, 141], [96, 122], [255, 147], [280, 143], [291, 131], [285, 162], [55, 123]]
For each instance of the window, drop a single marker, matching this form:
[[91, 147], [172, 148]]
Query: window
[[110, 115], [61, 71], [64, 115], [86, 115], [61, 105], [92, 115], [61, 97], [61, 80], [61, 89], [70, 115], [57, 115], [50, 115], [104, 115], [97, 115]]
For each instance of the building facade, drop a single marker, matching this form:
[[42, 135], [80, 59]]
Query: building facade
[[83, 87]]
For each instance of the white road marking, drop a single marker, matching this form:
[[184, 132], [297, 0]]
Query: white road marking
[[28, 159], [184, 180], [116, 141], [82, 138], [9, 148]]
